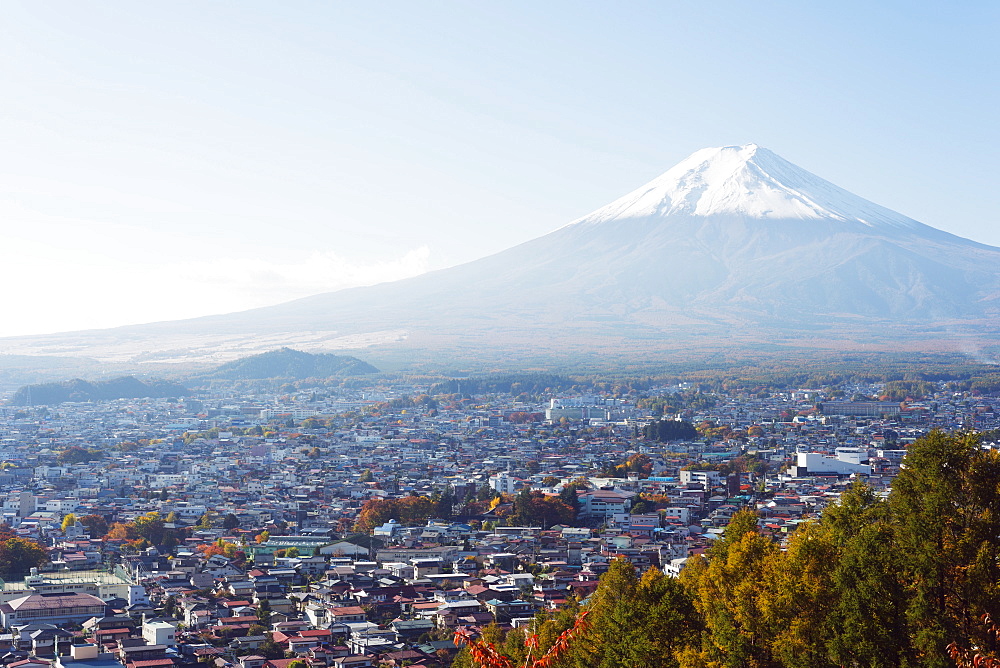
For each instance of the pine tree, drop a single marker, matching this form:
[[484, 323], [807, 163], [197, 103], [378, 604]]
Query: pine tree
[[946, 508], [867, 623], [668, 621], [613, 620]]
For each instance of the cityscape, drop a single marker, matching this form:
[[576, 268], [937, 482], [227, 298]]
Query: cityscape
[[362, 528]]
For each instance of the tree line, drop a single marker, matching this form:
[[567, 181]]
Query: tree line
[[879, 581]]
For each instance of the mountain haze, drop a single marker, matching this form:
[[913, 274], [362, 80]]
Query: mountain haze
[[734, 246]]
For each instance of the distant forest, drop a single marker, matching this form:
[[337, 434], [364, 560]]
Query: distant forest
[[126, 387], [507, 383], [913, 377]]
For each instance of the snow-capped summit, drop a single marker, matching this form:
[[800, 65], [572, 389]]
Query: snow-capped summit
[[747, 181]]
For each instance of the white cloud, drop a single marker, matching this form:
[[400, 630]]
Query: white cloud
[[60, 288]]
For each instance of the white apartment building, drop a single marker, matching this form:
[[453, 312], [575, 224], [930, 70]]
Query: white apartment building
[[504, 483]]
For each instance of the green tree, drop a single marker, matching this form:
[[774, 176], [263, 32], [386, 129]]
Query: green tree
[[636, 622], [946, 509], [668, 622], [568, 494], [270, 649], [445, 503], [867, 623], [74, 454], [670, 430], [169, 540], [230, 522], [613, 620], [264, 612], [150, 526]]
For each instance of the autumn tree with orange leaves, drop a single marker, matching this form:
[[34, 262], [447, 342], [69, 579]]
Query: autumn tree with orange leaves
[[972, 658], [484, 653], [408, 510], [220, 546], [19, 555]]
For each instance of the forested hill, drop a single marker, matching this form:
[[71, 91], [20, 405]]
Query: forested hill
[[289, 363], [126, 387]]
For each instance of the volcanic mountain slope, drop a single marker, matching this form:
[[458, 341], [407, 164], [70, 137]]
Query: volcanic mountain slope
[[730, 235], [734, 244]]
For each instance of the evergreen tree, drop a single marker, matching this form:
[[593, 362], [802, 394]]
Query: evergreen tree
[[444, 504], [150, 527], [264, 612], [613, 620], [270, 649], [867, 623], [634, 622], [668, 621], [670, 430], [946, 509], [96, 525]]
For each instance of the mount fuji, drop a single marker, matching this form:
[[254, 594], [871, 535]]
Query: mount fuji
[[733, 247]]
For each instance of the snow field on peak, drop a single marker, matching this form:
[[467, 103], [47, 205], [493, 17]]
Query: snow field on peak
[[748, 181]]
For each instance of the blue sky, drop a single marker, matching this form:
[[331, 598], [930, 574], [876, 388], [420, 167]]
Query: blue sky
[[165, 160]]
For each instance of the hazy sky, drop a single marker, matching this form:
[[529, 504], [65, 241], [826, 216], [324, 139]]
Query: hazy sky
[[173, 159]]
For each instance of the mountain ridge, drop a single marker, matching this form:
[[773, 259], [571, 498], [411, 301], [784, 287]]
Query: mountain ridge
[[734, 246]]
